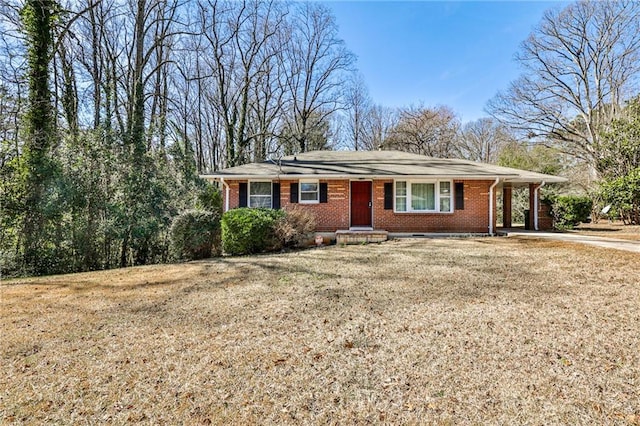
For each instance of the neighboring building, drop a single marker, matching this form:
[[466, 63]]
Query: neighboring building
[[392, 191]]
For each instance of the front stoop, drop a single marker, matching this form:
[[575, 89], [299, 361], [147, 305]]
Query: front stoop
[[360, 237]]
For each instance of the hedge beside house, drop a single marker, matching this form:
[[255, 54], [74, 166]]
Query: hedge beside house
[[193, 234], [249, 230], [569, 210]]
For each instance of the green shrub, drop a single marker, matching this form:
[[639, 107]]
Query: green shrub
[[623, 194], [193, 234], [295, 227], [248, 230], [569, 210], [209, 198]]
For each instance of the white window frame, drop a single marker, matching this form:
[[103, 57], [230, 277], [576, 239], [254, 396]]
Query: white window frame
[[441, 197], [405, 196], [317, 191], [409, 198], [264, 196]]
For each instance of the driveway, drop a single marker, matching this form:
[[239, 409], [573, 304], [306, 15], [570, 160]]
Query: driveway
[[627, 245]]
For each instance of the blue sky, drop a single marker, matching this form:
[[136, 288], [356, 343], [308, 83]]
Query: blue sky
[[457, 54]]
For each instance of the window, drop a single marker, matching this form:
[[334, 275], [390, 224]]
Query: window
[[401, 196], [445, 197], [309, 191], [423, 196], [260, 194]]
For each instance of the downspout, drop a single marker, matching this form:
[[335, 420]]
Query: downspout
[[536, 198], [491, 188], [226, 196]]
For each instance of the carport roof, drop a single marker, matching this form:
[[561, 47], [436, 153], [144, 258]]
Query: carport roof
[[379, 165]]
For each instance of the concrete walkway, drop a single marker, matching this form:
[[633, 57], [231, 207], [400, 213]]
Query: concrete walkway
[[613, 243]]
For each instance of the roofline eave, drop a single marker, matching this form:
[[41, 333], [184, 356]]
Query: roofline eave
[[355, 177], [538, 179]]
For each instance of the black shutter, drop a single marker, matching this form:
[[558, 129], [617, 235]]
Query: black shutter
[[324, 192], [275, 195], [242, 195], [459, 196], [388, 196], [293, 188]]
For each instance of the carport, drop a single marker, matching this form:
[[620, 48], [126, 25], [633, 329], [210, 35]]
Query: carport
[[537, 216]]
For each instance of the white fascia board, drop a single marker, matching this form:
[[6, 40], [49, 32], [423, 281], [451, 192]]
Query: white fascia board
[[449, 177], [509, 178], [549, 179]]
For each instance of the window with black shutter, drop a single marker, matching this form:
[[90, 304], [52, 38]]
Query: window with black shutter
[[324, 192], [242, 194], [275, 195], [388, 196], [459, 188]]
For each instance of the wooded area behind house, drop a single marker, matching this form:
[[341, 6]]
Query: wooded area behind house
[[109, 110]]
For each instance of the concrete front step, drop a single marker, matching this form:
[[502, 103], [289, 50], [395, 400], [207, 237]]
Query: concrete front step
[[360, 237]]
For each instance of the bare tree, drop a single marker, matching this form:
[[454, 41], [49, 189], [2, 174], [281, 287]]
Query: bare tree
[[427, 131], [161, 65], [316, 60], [378, 124], [269, 97], [238, 35], [13, 85], [579, 64], [194, 118], [358, 108], [482, 140]]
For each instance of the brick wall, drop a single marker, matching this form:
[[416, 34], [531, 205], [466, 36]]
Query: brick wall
[[474, 218], [545, 221], [330, 216], [234, 192], [334, 214]]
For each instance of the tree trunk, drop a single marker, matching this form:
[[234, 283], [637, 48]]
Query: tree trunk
[[37, 19]]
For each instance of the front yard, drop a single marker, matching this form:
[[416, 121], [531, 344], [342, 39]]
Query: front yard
[[608, 229], [470, 331]]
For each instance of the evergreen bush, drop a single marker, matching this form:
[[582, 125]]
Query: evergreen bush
[[209, 198], [623, 194], [193, 234], [249, 230], [569, 210]]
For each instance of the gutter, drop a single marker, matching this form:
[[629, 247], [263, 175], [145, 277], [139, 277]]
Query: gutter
[[491, 188], [536, 202], [226, 194]]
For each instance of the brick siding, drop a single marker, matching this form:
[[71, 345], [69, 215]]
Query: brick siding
[[334, 214], [474, 218], [330, 216], [545, 221], [234, 194]]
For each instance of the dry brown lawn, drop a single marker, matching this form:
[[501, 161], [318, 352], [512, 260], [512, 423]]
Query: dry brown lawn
[[608, 229], [469, 331]]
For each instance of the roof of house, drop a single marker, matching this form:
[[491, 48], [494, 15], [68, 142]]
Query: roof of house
[[376, 164]]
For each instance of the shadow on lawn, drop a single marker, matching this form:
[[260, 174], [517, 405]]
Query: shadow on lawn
[[597, 229], [333, 273]]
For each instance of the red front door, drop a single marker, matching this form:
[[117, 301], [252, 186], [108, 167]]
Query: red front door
[[361, 203]]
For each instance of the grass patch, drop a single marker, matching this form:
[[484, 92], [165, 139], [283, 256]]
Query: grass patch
[[609, 230], [410, 331]]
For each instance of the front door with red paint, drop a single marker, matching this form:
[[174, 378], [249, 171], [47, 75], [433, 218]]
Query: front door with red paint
[[361, 203]]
